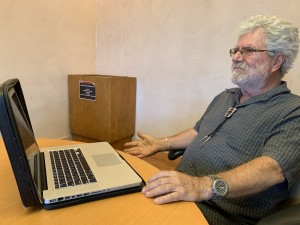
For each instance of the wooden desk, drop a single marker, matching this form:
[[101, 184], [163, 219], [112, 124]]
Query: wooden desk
[[127, 209]]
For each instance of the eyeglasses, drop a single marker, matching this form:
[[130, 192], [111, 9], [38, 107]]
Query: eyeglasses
[[246, 51]]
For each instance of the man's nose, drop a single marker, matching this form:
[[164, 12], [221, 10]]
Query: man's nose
[[237, 57]]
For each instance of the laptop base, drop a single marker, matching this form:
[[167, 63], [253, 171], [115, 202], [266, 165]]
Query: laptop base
[[93, 198]]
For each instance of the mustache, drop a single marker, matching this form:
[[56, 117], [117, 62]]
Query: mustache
[[239, 65]]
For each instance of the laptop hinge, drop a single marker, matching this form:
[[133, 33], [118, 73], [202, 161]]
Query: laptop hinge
[[43, 177]]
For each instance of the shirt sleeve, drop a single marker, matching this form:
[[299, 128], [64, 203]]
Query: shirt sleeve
[[283, 145]]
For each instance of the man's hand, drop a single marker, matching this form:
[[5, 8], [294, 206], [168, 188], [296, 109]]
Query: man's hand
[[147, 146], [171, 186]]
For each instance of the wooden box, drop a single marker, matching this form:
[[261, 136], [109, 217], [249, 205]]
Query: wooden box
[[102, 107]]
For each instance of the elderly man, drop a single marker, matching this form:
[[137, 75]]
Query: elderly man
[[241, 157]]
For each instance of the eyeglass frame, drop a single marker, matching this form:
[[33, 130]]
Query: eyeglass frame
[[242, 50]]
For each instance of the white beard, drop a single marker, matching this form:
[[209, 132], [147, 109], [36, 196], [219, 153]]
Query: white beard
[[250, 78]]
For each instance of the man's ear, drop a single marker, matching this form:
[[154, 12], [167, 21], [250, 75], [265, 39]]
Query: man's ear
[[278, 61]]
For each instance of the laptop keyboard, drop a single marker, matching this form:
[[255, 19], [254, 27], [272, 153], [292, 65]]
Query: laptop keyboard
[[69, 168]]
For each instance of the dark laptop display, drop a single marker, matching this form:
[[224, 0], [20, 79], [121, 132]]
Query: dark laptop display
[[17, 133], [28, 162]]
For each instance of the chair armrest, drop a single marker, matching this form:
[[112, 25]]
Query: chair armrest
[[174, 154], [285, 216]]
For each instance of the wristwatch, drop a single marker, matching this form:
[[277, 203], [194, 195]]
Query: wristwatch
[[219, 187]]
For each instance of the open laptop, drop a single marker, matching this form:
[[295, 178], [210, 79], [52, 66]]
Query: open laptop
[[59, 176]]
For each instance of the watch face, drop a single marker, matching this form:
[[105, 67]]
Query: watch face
[[220, 187]]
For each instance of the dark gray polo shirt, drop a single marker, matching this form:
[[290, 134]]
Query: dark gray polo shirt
[[265, 125]]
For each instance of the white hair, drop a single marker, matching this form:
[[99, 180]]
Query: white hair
[[281, 37]]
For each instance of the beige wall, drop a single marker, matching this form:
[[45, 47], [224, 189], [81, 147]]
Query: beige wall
[[41, 42], [178, 50]]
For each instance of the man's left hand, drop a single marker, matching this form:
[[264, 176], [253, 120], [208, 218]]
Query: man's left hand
[[171, 186]]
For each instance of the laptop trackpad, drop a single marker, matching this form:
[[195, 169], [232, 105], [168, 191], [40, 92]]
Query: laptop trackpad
[[106, 160]]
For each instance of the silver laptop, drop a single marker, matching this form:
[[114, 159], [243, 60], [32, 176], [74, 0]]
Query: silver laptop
[[63, 175]]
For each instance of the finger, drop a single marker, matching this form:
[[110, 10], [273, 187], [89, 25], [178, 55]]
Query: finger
[[135, 151], [154, 191], [141, 135], [171, 197], [160, 191], [132, 151], [156, 180], [160, 174], [132, 143], [140, 156], [159, 186]]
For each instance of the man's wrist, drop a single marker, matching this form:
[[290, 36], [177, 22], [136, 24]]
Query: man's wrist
[[164, 144], [204, 190]]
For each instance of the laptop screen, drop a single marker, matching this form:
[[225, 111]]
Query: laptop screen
[[26, 135]]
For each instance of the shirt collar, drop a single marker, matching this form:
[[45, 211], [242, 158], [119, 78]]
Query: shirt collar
[[281, 89]]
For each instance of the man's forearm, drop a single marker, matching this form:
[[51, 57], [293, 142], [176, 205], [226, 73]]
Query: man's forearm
[[252, 177], [182, 139]]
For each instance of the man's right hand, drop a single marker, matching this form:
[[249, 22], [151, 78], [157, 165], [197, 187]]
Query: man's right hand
[[147, 146]]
